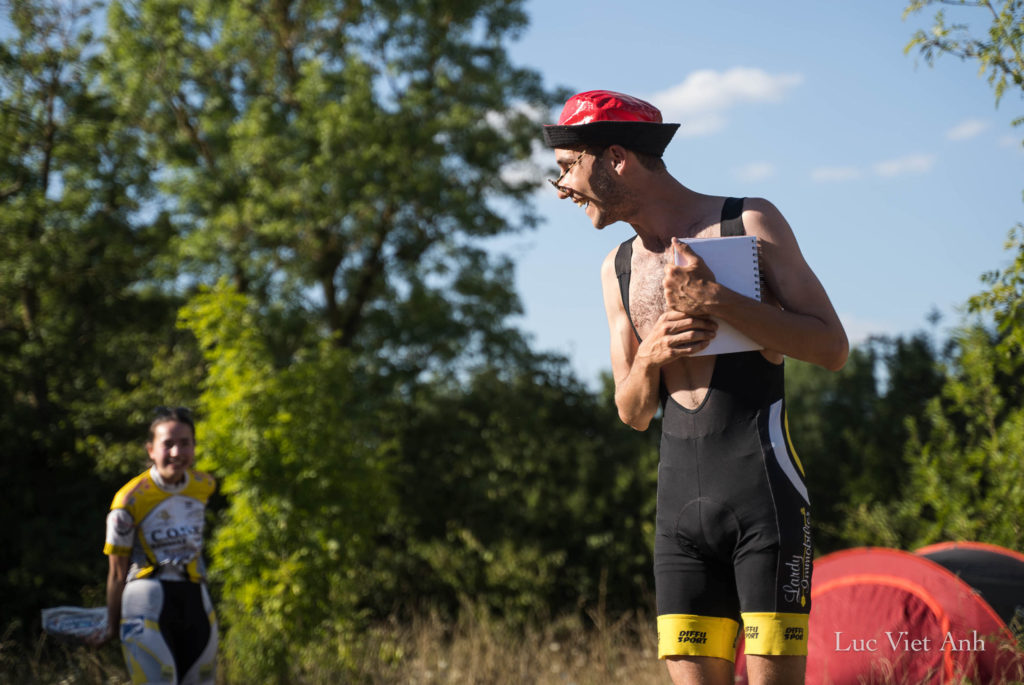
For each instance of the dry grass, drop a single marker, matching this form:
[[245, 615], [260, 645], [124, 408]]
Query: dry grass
[[475, 650], [54, 662], [479, 650]]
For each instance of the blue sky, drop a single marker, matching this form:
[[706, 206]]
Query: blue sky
[[901, 181]]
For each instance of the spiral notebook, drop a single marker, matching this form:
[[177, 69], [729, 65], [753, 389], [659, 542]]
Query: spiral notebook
[[736, 263]]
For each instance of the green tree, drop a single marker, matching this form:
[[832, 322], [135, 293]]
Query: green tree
[[998, 52], [304, 467], [850, 428], [965, 455], [521, 491], [78, 314], [340, 164], [341, 161]]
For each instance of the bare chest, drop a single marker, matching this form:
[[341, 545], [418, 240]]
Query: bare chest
[[647, 275], [646, 292]]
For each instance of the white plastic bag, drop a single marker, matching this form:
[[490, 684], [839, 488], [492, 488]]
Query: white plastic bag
[[74, 622]]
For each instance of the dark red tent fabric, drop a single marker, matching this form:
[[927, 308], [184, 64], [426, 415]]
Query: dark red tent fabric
[[887, 616]]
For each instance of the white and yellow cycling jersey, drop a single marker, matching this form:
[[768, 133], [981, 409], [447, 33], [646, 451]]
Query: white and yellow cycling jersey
[[160, 526]]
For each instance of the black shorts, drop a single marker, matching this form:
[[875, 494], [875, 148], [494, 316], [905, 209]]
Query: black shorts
[[733, 536]]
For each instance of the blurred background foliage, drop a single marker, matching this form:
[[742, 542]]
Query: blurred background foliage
[[277, 213]]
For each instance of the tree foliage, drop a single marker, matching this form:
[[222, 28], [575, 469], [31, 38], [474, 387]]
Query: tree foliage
[[340, 160], [850, 427], [306, 187], [522, 492], [304, 468], [76, 298], [964, 456], [998, 51]]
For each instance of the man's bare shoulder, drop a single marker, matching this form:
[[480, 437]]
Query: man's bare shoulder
[[760, 214], [763, 219], [608, 265]]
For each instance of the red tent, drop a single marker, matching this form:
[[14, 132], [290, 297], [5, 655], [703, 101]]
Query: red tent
[[994, 572], [886, 616]]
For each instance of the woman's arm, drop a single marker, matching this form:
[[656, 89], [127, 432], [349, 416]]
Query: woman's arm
[[116, 576]]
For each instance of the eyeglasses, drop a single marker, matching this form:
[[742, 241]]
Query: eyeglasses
[[556, 181]]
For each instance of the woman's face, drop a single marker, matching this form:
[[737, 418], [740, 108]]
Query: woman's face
[[173, 450]]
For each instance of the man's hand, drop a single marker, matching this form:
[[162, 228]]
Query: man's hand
[[675, 335], [688, 281]]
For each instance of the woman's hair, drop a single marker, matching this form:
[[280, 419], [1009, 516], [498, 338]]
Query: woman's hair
[[165, 414]]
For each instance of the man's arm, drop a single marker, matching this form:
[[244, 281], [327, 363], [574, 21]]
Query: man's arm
[[806, 327], [636, 367]]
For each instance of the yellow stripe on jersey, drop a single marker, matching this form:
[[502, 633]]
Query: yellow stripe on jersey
[[775, 634], [689, 635]]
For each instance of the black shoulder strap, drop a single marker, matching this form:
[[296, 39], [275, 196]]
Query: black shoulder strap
[[623, 268], [732, 217]]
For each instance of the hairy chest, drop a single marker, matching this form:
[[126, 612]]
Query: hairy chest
[[646, 291]]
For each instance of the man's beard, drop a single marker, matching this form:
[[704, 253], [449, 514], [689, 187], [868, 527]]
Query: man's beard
[[614, 202]]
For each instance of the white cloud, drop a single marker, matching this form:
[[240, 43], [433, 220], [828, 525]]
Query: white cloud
[[499, 119], [700, 100], [912, 164], [967, 129], [756, 171], [699, 124], [541, 162], [827, 174], [528, 171]]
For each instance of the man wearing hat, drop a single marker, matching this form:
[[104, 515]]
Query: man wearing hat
[[733, 544]]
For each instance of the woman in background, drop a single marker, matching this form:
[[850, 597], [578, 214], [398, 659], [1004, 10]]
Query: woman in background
[[156, 586]]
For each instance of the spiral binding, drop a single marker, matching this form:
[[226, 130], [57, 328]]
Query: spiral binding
[[760, 286]]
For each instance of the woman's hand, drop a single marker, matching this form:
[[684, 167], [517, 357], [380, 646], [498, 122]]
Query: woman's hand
[[101, 636]]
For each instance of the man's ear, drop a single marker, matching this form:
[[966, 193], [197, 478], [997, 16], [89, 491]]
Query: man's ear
[[618, 156]]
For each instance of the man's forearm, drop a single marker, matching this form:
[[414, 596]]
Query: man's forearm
[[636, 396], [800, 336]]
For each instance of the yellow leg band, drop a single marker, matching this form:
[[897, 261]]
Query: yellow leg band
[[689, 635], [772, 634]]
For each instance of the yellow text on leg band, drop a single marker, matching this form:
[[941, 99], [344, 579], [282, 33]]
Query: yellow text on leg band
[[689, 635]]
